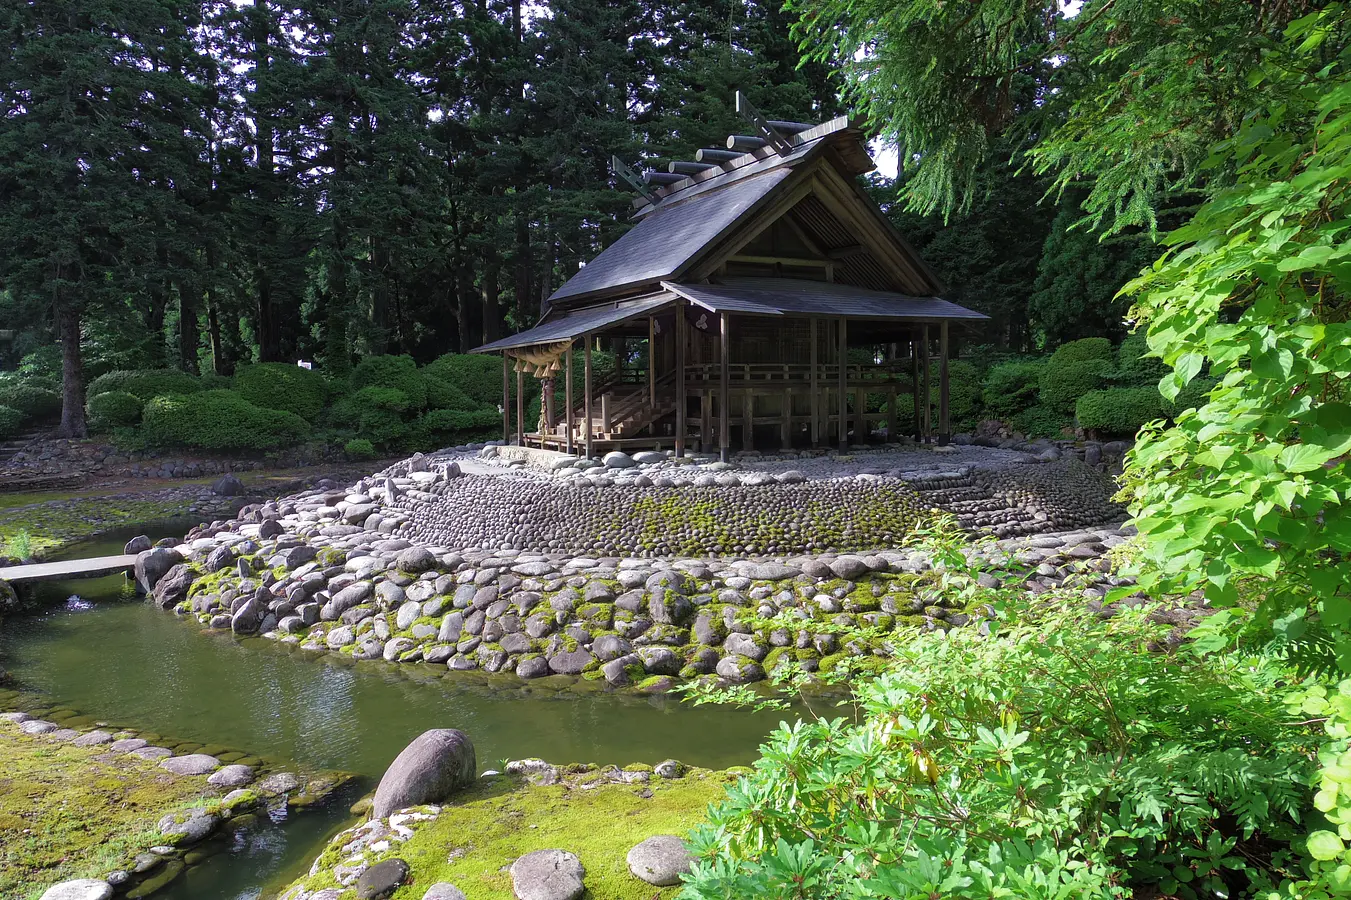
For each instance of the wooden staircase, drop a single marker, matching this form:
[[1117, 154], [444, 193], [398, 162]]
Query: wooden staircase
[[617, 418]]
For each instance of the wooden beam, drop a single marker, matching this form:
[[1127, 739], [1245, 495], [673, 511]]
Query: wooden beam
[[520, 408], [567, 390], [846, 251], [725, 400], [816, 388], [803, 261], [784, 127], [763, 127], [680, 167], [944, 426], [586, 391], [662, 178], [506, 399], [745, 142], [844, 382], [709, 155], [681, 399], [786, 430]]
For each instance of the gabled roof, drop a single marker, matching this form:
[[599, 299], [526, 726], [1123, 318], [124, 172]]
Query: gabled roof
[[797, 296], [662, 243]]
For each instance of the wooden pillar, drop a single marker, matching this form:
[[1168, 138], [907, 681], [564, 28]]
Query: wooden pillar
[[944, 427], [725, 379], [748, 419], [892, 432], [606, 425], [925, 388], [844, 383], [567, 390], [586, 391], [914, 384], [816, 390], [520, 408], [651, 361], [506, 399], [786, 429], [680, 378]]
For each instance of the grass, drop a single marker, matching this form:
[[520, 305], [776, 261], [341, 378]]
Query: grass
[[484, 829], [66, 812]]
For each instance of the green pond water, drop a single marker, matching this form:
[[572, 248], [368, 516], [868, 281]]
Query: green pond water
[[134, 666]]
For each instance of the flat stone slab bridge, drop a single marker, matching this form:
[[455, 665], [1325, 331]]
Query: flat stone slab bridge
[[73, 568]]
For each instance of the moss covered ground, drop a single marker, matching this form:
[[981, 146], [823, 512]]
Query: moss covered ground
[[74, 812], [480, 832]]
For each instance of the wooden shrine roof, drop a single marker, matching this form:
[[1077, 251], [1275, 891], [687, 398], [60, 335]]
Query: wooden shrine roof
[[803, 297]]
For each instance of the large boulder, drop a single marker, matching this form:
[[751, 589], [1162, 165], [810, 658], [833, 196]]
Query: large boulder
[[435, 765], [660, 860], [154, 564], [79, 889], [228, 486], [138, 544], [547, 875], [382, 879], [172, 589], [9, 598]]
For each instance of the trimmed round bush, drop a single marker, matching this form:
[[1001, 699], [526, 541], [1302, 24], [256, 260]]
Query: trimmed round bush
[[441, 394], [113, 409], [478, 376], [1118, 411], [34, 402], [399, 373], [281, 386], [1041, 421], [377, 397], [1012, 387], [463, 425], [145, 383], [1133, 367], [1063, 385], [359, 448], [11, 420], [220, 420], [1082, 350]]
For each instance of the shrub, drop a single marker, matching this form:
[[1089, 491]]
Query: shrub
[[359, 448], [1119, 410], [1133, 367], [1063, 385], [1082, 350], [441, 394], [33, 402], [1060, 757], [113, 409], [963, 393], [145, 383], [478, 376], [1012, 387], [456, 426], [281, 386], [377, 397], [220, 420], [43, 362], [396, 372], [11, 421], [1041, 421]]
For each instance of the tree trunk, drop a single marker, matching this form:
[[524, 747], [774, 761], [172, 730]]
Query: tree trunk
[[492, 310], [219, 364], [72, 373], [189, 334]]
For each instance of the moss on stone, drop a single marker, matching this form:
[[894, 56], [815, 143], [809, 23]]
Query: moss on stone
[[484, 829], [72, 812]]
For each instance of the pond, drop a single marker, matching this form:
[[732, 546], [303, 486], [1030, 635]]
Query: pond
[[132, 665]]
